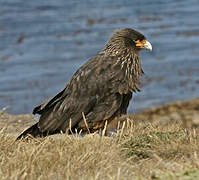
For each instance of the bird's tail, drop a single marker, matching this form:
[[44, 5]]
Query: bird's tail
[[31, 131], [34, 131]]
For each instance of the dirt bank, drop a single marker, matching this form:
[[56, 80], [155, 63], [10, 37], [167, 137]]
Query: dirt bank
[[185, 113]]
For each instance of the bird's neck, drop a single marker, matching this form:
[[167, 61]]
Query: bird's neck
[[130, 64]]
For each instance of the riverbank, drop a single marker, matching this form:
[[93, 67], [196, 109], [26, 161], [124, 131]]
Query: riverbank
[[186, 113]]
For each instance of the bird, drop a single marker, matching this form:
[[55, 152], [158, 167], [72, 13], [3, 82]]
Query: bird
[[98, 93]]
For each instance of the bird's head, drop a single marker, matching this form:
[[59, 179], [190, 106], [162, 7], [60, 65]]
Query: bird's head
[[127, 39]]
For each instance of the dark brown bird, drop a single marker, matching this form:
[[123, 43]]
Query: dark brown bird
[[100, 90]]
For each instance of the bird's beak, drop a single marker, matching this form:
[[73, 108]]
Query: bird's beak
[[147, 45], [144, 44]]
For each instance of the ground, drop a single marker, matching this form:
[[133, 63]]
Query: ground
[[159, 143]]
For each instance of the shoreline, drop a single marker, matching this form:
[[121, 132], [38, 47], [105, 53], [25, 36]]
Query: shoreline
[[187, 112]]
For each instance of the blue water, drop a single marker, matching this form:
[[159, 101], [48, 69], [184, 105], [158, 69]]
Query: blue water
[[42, 43]]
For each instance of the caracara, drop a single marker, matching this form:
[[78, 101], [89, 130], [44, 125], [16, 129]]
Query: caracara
[[98, 92]]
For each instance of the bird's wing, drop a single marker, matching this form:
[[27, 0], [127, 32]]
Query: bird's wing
[[45, 106], [94, 90]]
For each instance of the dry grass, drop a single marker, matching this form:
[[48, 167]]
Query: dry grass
[[142, 151], [161, 143]]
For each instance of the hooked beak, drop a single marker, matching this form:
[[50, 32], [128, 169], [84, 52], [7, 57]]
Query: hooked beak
[[144, 44], [147, 45]]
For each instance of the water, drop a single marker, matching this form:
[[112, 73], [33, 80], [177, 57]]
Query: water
[[42, 43]]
